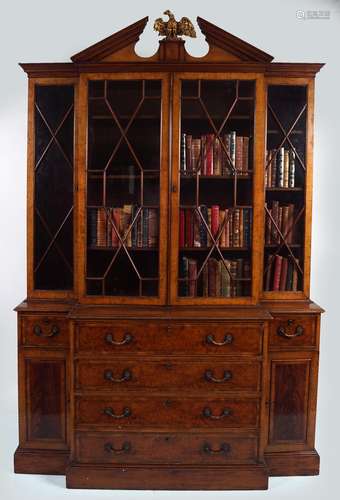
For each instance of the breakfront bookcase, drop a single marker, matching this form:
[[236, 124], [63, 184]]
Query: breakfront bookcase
[[168, 340]]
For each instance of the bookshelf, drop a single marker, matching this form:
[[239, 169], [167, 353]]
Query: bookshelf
[[168, 338]]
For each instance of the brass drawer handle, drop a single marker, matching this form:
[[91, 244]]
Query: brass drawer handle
[[110, 413], [227, 375], [226, 412], [223, 450], [108, 375], [289, 332], [126, 340], [54, 330], [126, 448], [228, 339]]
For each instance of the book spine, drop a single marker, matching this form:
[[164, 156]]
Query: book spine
[[195, 155], [239, 274], [239, 154], [101, 228], [183, 154], [197, 232], [209, 154], [209, 225], [269, 273], [280, 167], [236, 228], [268, 177], [215, 220], [226, 228], [192, 272], [134, 227], [277, 272], [185, 275], [290, 229], [218, 277], [285, 216], [295, 277], [289, 281], [283, 277], [211, 278], [205, 281], [268, 227], [246, 228], [203, 228], [245, 155], [286, 169], [241, 230], [217, 168], [140, 230], [292, 169], [233, 148], [233, 272], [203, 155], [222, 237], [145, 228], [275, 215]]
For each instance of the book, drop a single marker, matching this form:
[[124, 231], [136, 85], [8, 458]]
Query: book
[[101, 228], [280, 167], [239, 154], [195, 156], [277, 272], [188, 154], [215, 220], [286, 168], [291, 181], [217, 157], [209, 154], [184, 154], [192, 273], [245, 155], [283, 275]]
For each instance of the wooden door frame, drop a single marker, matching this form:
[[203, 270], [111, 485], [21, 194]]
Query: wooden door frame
[[257, 190], [82, 185]]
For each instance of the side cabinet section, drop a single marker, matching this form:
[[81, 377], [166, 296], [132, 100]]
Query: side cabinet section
[[292, 393], [43, 394]]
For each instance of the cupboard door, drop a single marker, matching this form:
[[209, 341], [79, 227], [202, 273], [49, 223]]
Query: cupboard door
[[287, 179], [293, 388], [126, 194], [43, 395], [213, 175], [52, 173]]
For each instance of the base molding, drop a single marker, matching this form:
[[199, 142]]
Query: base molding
[[158, 477], [293, 463], [51, 462]]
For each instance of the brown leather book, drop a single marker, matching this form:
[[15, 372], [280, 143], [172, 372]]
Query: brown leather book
[[245, 155], [217, 157], [285, 216], [239, 154], [236, 228], [277, 272], [192, 277], [101, 228], [153, 228], [116, 219]]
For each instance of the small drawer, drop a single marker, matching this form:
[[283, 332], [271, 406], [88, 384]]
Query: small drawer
[[169, 448], [169, 338], [128, 412], [52, 331], [212, 375], [293, 331]]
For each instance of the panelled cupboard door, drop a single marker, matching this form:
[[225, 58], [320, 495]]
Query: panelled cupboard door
[[123, 148], [43, 400], [293, 386], [216, 187]]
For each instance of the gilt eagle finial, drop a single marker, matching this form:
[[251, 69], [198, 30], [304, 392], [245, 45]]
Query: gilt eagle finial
[[173, 29]]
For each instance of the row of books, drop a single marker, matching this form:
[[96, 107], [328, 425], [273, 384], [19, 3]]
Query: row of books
[[235, 224], [282, 274], [105, 223], [280, 171], [207, 156], [219, 279], [281, 217]]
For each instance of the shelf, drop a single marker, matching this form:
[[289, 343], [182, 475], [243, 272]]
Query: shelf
[[284, 189], [146, 176], [133, 249], [239, 175], [291, 245], [107, 207], [223, 249]]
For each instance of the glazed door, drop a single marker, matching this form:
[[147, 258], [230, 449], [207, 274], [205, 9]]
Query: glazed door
[[125, 189], [216, 170]]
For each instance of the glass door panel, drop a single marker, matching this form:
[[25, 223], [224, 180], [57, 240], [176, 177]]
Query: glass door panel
[[123, 187], [216, 188], [285, 171]]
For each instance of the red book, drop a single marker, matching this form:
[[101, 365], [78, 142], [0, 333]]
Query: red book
[[284, 271], [181, 228], [189, 228], [215, 220], [209, 154], [277, 272]]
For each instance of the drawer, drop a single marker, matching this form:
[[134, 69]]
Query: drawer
[[51, 331], [169, 338], [290, 331], [180, 373], [169, 448], [158, 412]]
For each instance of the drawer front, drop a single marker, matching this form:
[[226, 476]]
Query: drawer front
[[185, 374], [170, 448], [157, 412], [172, 338], [290, 331], [51, 331]]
